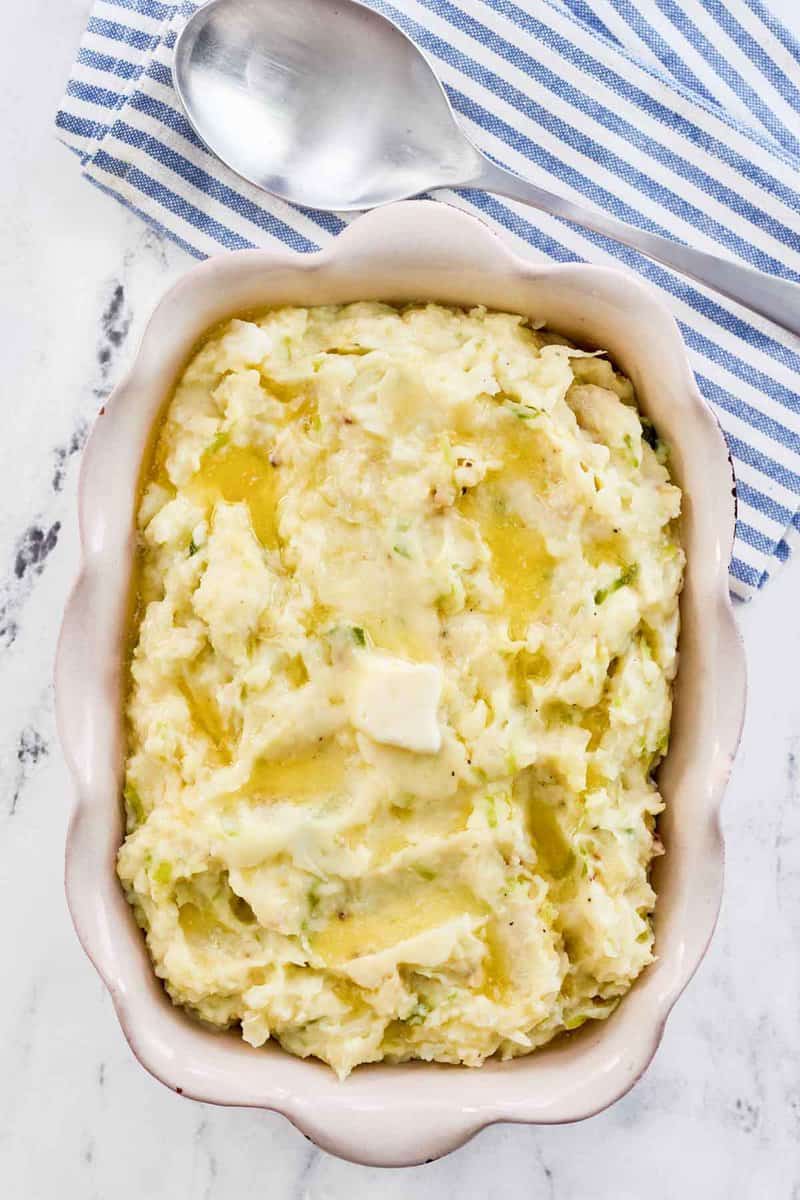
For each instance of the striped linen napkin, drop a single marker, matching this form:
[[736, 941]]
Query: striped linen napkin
[[679, 116]]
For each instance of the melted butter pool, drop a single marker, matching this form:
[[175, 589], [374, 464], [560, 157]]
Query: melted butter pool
[[392, 919], [319, 771], [205, 715], [239, 474], [520, 562], [399, 636]]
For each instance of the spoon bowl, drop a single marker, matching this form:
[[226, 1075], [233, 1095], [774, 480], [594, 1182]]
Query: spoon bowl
[[325, 104], [328, 105]]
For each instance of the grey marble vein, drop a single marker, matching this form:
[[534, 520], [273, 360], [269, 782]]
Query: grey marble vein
[[31, 749], [62, 455], [29, 559], [113, 327]]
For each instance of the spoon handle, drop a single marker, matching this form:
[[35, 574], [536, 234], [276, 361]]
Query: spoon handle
[[778, 299]]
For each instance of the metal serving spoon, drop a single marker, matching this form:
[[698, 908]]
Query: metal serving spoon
[[328, 105]]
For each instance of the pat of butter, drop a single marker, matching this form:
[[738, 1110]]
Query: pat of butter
[[395, 702]]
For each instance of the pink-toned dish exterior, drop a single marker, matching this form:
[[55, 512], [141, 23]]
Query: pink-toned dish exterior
[[382, 1114]]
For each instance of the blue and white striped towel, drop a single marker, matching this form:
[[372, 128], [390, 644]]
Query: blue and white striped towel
[[680, 116]]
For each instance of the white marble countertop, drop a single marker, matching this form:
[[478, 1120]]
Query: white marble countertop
[[717, 1115]]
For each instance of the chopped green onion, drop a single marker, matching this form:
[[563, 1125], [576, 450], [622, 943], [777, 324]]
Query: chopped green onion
[[524, 412], [419, 1014], [628, 440], [625, 579], [163, 872], [134, 803], [219, 441]]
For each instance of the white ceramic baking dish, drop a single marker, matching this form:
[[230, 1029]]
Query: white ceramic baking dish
[[406, 1114]]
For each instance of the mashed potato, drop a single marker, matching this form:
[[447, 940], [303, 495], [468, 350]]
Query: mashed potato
[[407, 628]]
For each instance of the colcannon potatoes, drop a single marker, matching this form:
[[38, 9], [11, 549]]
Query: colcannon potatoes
[[407, 612]]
